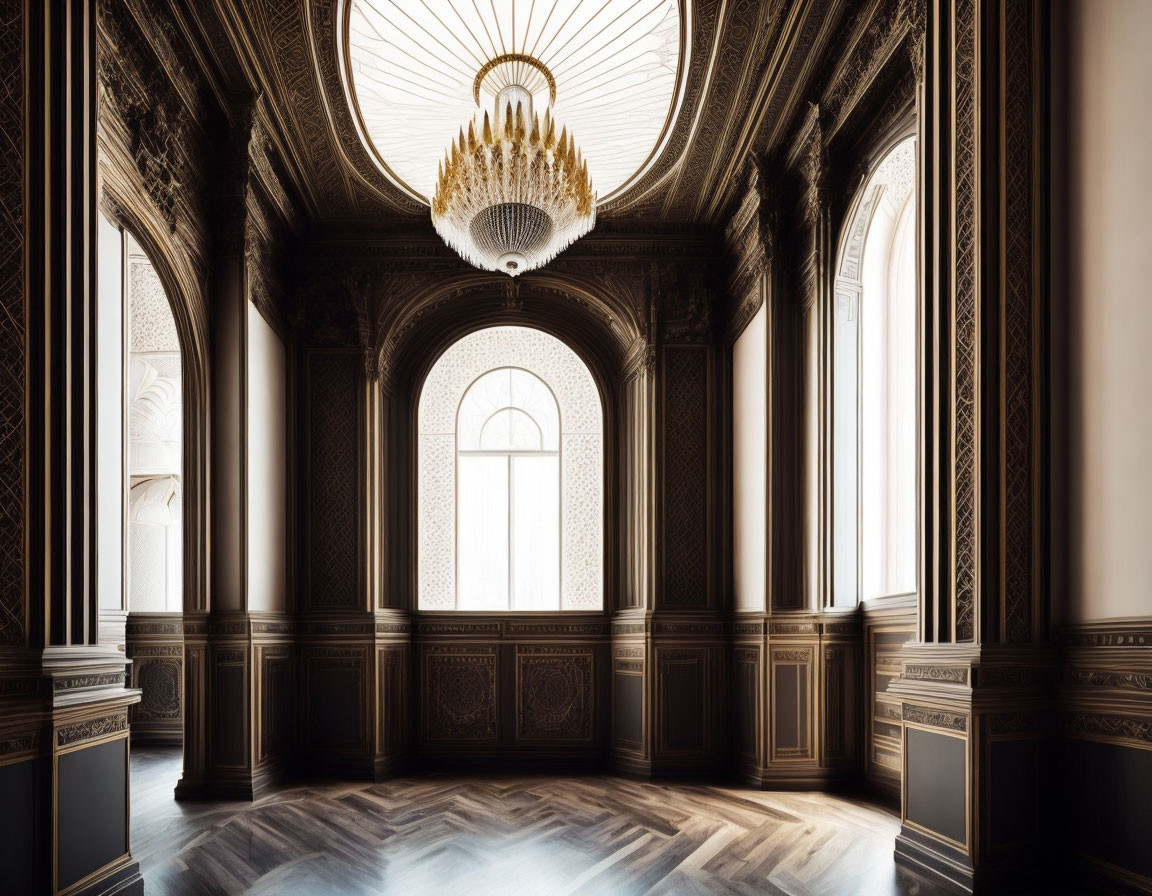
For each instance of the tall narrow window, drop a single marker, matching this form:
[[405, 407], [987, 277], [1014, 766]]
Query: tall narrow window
[[874, 383], [510, 483]]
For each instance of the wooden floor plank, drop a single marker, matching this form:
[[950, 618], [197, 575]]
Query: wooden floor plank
[[533, 835]]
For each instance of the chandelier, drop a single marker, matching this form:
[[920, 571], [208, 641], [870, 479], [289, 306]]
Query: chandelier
[[510, 195]]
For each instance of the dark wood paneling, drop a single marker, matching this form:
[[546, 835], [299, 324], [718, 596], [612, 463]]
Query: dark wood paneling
[[686, 477], [746, 683], [555, 694], [1108, 813], [791, 712], [335, 683], [332, 480], [1014, 791], [458, 694], [19, 826], [628, 709], [937, 776], [395, 700], [229, 708], [92, 809], [277, 702], [680, 710]]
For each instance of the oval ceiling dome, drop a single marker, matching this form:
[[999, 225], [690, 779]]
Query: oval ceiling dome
[[419, 70]]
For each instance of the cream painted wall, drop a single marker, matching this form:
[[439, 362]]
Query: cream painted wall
[[749, 463], [110, 417], [266, 465], [1109, 219]]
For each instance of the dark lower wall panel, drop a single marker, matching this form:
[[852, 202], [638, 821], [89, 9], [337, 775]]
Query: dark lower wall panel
[[555, 695], [936, 792], [746, 698], [790, 695], [485, 701], [19, 824], [92, 821], [628, 710], [229, 710], [395, 699], [681, 717], [277, 693], [1014, 766], [335, 699], [459, 695], [1108, 806]]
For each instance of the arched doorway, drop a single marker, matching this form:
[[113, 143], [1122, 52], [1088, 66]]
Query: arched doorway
[[140, 461]]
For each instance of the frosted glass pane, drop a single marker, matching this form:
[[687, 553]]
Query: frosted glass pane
[[510, 429], [536, 532], [482, 534], [530, 394]]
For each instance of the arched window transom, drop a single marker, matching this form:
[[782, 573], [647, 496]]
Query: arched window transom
[[510, 477]]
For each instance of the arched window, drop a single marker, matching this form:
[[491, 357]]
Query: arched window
[[510, 477], [874, 418]]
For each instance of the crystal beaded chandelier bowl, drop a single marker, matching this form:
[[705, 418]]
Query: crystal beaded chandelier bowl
[[514, 81], [510, 194]]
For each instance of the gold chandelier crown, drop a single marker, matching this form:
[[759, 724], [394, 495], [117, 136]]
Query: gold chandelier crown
[[510, 195]]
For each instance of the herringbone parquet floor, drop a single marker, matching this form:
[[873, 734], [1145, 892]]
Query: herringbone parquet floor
[[510, 835]]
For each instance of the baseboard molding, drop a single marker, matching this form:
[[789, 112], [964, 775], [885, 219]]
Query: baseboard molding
[[943, 865], [125, 881], [1097, 876]]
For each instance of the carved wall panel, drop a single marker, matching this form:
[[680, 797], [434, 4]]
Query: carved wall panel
[[332, 479], [13, 606], [555, 694], [458, 694], [686, 477], [154, 644]]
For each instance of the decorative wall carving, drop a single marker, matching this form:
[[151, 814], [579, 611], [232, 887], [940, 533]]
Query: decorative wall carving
[[13, 605], [81, 682], [1110, 726], [332, 472], [555, 694], [459, 693], [965, 383], [22, 743], [934, 718], [686, 477], [90, 729], [952, 674], [160, 682]]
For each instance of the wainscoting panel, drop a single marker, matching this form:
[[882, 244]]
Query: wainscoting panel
[[155, 645], [555, 694], [459, 694], [791, 675], [1105, 755], [888, 624], [492, 687], [336, 687], [936, 766]]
